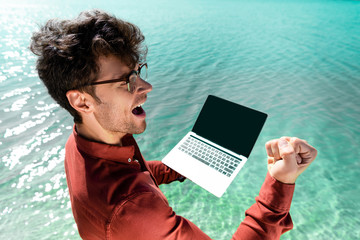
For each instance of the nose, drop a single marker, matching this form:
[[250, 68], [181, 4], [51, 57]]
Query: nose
[[142, 86]]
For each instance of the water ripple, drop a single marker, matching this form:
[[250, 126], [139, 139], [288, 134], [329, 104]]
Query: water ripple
[[299, 62]]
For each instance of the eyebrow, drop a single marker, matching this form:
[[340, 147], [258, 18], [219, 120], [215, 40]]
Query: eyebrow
[[123, 77]]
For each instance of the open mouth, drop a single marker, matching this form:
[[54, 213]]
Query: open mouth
[[138, 110]]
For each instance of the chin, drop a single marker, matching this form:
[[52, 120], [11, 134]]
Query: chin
[[140, 130]]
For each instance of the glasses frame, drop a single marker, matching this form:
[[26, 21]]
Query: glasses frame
[[126, 79]]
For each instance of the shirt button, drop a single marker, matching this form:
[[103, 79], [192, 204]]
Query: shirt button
[[136, 160], [129, 160]]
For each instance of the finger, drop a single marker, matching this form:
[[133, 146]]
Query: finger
[[286, 138], [268, 146], [287, 151], [268, 149], [271, 163], [275, 149], [306, 152], [271, 160]]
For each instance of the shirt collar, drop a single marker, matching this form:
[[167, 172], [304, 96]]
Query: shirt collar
[[106, 151]]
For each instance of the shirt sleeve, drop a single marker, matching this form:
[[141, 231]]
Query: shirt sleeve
[[269, 217], [163, 174], [146, 216]]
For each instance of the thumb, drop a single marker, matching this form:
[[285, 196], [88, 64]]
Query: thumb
[[286, 151]]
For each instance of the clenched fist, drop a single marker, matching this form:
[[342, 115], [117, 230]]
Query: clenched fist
[[288, 157]]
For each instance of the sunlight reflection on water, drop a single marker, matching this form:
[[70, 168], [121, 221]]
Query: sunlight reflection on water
[[292, 64]]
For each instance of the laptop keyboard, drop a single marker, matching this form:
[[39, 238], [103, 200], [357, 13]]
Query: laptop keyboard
[[210, 155]]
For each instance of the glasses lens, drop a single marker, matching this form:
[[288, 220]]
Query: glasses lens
[[144, 73]]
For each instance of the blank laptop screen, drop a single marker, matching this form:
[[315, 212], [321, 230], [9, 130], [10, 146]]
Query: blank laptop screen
[[229, 125]]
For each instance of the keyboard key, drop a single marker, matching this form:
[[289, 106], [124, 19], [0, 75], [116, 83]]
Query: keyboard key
[[201, 160], [218, 160]]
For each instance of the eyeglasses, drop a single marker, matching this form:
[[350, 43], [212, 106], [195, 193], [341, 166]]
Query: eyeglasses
[[129, 79]]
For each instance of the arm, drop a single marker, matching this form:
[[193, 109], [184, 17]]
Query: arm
[[148, 216], [269, 217], [287, 159], [162, 173]]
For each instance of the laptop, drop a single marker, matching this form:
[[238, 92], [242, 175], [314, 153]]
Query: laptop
[[218, 146]]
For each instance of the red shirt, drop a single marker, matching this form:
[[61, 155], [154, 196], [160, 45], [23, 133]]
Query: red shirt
[[114, 194]]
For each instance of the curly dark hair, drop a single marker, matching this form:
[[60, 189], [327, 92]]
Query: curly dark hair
[[68, 52]]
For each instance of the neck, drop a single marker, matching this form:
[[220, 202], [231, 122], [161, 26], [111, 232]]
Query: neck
[[96, 133]]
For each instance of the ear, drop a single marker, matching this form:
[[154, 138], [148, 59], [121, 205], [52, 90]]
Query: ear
[[80, 101]]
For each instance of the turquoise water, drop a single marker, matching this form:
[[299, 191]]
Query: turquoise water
[[299, 61]]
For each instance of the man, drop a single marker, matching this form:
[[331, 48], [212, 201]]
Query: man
[[94, 66]]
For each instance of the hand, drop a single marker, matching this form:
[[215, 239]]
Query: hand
[[288, 157]]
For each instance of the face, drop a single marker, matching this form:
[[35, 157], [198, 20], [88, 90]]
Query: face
[[119, 111]]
